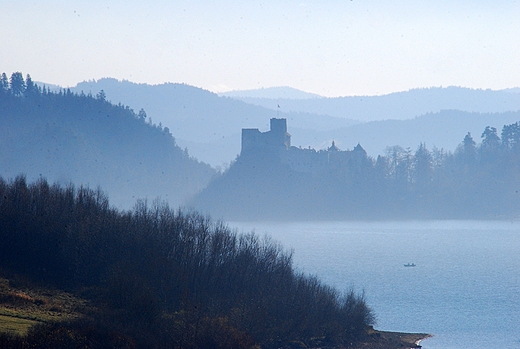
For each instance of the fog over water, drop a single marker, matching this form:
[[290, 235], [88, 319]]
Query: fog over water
[[464, 289]]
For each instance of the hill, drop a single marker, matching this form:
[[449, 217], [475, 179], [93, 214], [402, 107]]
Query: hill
[[280, 92], [78, 138], [272, 180], [208, 125], [444, 130], [154, 277], [401, 105], [30, 313]]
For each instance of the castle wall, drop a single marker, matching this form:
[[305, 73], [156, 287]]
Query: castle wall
[[303, 160], [251, 140], [273, 140], [276, 144]]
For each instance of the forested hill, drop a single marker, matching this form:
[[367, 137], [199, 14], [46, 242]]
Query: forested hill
[[208, 125], [84, 139], [155, 277], [476, 181]]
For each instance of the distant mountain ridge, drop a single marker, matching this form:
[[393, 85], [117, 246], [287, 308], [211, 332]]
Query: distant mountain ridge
[[278, 92], [209, 125], [512, 90], [444, 129], [400, 105]]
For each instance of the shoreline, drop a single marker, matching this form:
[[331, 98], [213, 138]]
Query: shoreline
[[393, 340]]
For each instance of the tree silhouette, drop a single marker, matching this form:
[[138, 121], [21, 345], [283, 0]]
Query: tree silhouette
[[142, 115], [422, 165], [4, 83], [466, 152], [169, 278], [511, 136], [17, 84], [101, 95], [490, 146]]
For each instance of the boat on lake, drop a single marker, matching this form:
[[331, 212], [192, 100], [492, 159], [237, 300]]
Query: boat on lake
[[409, 265]]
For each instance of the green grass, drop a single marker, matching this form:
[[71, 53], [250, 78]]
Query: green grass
[[23, 307], [15, 325]]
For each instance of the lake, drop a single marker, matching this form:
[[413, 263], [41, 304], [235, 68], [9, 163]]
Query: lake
[[464, 289]]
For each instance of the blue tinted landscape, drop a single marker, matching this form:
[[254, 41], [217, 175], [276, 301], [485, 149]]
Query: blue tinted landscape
[[259, 175]]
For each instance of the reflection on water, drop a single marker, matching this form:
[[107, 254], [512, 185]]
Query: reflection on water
[[464, 289]]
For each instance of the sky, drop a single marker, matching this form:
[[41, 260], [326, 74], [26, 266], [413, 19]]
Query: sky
[[328, 47]]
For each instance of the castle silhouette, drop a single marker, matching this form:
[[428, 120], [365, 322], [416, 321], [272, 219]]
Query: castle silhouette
[[275, 144]]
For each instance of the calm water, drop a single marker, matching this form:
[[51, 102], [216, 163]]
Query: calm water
[[465, 288]]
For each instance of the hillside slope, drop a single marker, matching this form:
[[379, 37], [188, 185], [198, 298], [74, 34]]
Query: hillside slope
[[400, 105], [444, 129], [161, 278], [271, 181], [208, 125], [86, 140]]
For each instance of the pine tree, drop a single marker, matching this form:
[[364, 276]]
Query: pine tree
[[17, 84], [4, 83]]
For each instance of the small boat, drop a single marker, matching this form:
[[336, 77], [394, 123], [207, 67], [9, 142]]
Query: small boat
[[409, 265]]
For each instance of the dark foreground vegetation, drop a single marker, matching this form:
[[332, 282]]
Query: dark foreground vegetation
[[159, 278]]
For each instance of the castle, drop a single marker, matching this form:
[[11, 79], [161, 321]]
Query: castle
[[277, 143], [276, 139]]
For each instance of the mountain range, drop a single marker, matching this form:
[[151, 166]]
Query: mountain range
[[399, 105], [128, 137], [209, 125], [278, 92]]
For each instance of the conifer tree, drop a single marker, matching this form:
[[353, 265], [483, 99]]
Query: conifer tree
[[30, 87], [4, 83], [17, 84]]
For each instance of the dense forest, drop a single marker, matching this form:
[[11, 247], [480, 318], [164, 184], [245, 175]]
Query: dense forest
[[478, 181], [85, 139], [163, 278]]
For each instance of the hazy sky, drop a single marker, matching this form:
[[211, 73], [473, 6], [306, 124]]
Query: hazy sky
[[329, 47]]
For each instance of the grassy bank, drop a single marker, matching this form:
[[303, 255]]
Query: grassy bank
[[23, 306]]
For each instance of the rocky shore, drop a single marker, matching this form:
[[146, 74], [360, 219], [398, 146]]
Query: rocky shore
[[392, 340]]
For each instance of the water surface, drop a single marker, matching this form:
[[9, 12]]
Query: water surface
[[464, 289]]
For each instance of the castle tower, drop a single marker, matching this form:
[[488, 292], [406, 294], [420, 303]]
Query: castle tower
[[276, 139], [278, 133], [278, 125]]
